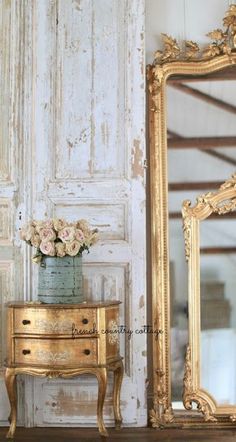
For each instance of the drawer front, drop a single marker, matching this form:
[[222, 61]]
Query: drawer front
[[56, 352], [55, 321]]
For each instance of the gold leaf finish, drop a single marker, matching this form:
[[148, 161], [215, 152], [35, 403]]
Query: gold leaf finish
[[190, 395], [224, 41], [174, 61], [221, 202], [191, 49], [51, 351], [186, 227], [113, 336]]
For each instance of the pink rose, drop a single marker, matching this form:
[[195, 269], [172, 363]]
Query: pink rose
[[47, 248], [79, 235], [72, 248], [47, 235], [67, 234], [48, 224]]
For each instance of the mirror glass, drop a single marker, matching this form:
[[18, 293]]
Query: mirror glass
[[218, 307], [201, 117]]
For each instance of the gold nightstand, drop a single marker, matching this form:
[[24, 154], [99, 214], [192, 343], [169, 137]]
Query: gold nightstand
[[64, 340]]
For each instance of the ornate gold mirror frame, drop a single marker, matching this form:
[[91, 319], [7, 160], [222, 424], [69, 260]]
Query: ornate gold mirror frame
[[172, 61], [221, 202]]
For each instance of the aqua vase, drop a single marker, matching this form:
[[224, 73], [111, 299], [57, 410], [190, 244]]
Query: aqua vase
[[60, 280]]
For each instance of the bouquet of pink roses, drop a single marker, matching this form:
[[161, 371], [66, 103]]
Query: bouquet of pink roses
[[57, 237]]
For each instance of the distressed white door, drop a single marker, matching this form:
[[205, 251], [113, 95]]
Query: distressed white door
[[88, 162], [15, 146]]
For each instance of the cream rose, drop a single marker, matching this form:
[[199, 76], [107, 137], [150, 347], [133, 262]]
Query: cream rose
[[47, 248], [35, 240], [47, 235], [60, 249], [92, 238], [67, 234], [83, 225], [57, 237], [38, 226], [59, 224], [72, 248], [27, 233]]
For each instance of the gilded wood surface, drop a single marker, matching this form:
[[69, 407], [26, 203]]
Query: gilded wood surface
[[85, 304], [157, 74], [191, 395], [55, 351], [223, 42], [59, 357], [99, 372], [221, 201], [112, 338], [157, 77], [53, 321]]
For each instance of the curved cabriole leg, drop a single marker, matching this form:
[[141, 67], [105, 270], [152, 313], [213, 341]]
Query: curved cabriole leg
[[102, 385], [118, 376], [10, 380]]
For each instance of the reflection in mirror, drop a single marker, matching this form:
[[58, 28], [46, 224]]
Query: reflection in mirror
[[218, 308], [201, 154]]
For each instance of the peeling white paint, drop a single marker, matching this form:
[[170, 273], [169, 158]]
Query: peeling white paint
[[84, 114]]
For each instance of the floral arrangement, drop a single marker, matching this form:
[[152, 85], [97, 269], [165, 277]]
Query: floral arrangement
[[57, 237]]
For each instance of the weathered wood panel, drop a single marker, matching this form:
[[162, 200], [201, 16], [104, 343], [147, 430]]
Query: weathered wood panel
[[89, 163], [115, 215], [7, 287], [72, 145], [11, 173], [127, 435]]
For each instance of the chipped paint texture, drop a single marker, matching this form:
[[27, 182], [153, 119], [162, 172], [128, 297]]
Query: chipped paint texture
[[84, 111], [137, 160], [12, 174], [141, 302]]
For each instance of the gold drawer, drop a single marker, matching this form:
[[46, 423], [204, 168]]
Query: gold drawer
[[54, 321], [56, 352]]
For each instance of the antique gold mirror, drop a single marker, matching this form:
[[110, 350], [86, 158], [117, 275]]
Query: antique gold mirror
[[192, 131], [210, 365]]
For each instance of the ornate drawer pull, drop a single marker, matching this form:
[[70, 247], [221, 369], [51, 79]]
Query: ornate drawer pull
[[26, 352], [85, 321], [26, 321], [87, 352]]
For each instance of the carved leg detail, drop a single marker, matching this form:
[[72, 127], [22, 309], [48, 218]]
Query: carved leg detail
[[10, 380], [102, 385], [118, 376]]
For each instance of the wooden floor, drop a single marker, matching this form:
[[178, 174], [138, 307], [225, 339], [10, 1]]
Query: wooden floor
[[126, 434]]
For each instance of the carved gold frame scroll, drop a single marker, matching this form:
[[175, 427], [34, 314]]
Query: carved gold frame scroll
[[221, 202], [172, 61]]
